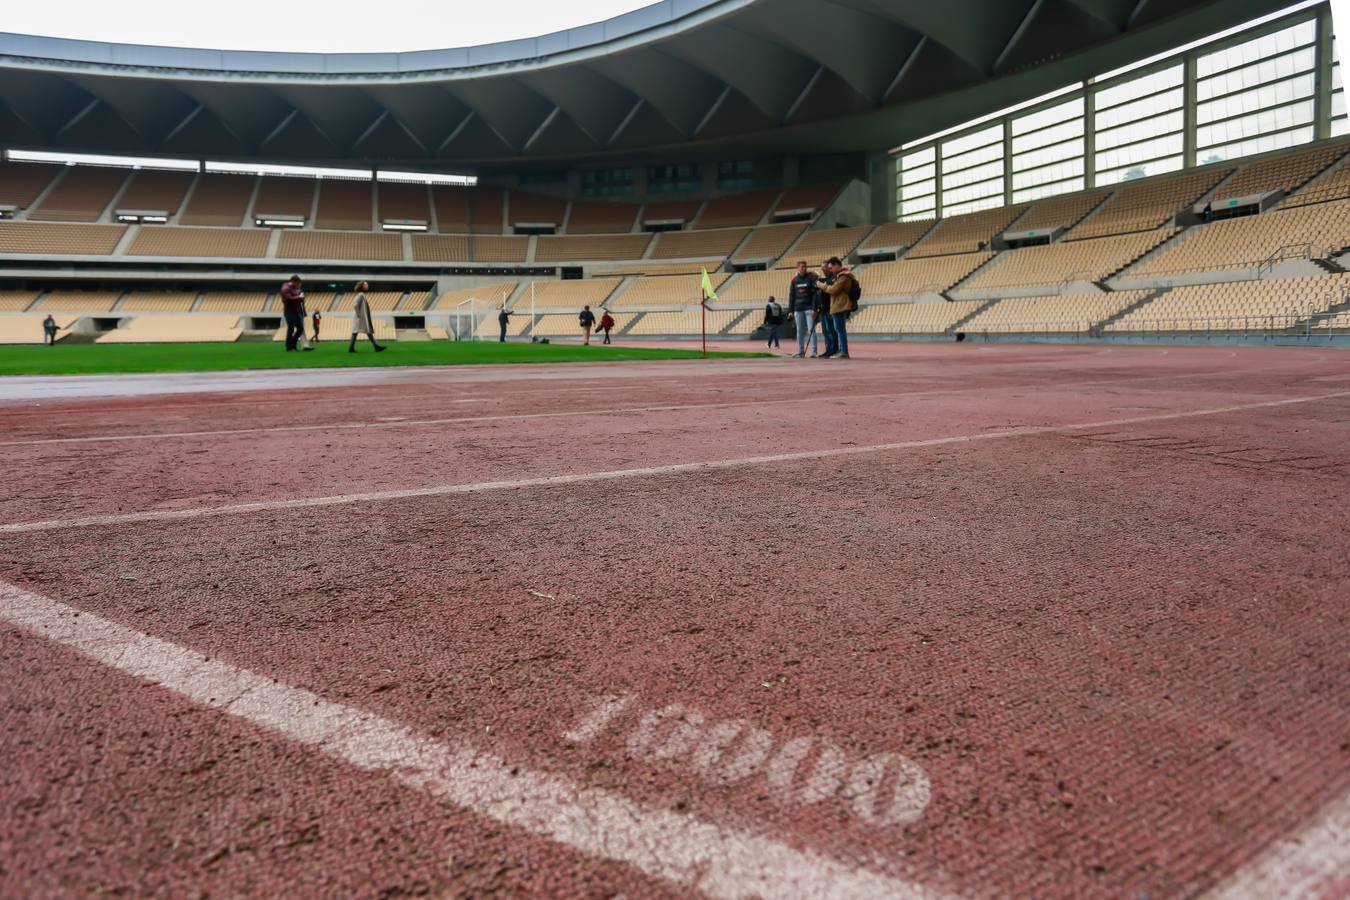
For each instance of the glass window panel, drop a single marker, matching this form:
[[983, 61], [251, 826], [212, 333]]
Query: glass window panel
[[1120, 93], [972, 206], [1138, 153], [1046, 174], [971, 141], [1051, 135], [1140, 109], [917, 208], [972, 176], [919, 157], [1139, 131], [1049, 190], [1139, 170], [1336, 84], [919, 173], [1264, 144], [1269, 70], [1340, 127], [991, 188], [922, 189], [1279, 93], [1047, 117], [1232, 130], [1338, 104], [973, 158], [1047, 155], [1259, 48]]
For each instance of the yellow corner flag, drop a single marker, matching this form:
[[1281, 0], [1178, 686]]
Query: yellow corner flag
[[708, 292]]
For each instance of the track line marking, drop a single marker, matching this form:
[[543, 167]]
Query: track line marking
[[162, 515], [679, 848], [1313, 863]]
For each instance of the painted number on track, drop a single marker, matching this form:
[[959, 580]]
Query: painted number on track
[[881, 789]]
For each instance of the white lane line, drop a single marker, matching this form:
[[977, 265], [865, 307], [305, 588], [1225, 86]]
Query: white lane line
[[161, 515], [679, 848], [1313, 863]]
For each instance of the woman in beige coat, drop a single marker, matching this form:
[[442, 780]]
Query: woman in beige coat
[[361, 320]]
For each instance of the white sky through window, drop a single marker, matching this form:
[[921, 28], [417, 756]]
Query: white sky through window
[[306, 25]]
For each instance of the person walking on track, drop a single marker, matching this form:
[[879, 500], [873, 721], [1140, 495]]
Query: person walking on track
[[362, 323], [587, 321]]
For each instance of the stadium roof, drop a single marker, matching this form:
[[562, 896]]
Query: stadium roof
[[679, 79]]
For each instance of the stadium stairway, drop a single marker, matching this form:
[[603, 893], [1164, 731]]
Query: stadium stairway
[[955, 328], [1099, 327]]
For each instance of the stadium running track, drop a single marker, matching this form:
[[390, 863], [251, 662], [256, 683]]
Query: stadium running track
[[941, 621]]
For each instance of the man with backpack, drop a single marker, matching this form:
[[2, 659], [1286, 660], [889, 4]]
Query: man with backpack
[[844, 293], [587, 321], [773, 317]]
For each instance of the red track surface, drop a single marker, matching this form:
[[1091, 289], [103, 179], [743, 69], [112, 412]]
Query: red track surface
[[1116, 652]]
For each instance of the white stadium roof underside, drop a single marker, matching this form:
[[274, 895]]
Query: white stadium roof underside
[[684, 79]]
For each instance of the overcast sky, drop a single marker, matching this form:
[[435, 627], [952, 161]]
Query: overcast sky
[[305, 24]]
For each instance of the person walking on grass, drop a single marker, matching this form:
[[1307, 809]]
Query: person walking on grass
[[802, 300], [843, 291], [293, 309], [362, 323], [49, 331], [773, 317], [606, 323], [317, 318], [587, 321]]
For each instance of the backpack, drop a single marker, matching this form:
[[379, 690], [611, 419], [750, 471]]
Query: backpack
[[854, 292]]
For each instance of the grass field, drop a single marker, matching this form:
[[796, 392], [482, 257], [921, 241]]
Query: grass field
[[91, 359]]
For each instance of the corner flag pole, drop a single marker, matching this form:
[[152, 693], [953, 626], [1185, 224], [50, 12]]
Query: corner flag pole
[[704, 308]]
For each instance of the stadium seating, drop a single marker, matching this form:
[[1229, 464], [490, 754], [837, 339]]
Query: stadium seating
[[536, 209], [664, 290], [770, 241], [910, 318], [820, 245], [701, 244], [671, 211], [1235, 305], [21, 183], [174, 329], [77, 302], [344, 204], [486, 213], [72, 240], [1063, 313], [685, 322], [417, 300], [967, 233], [283, 195], [452, 208], [757, 287], [1247, 242], [219, 200], [813, 197], [1064, 211], [912, 277], [736, 209], [167, 240], [897, 235], [1066, 261], [440, 247], [1149, 204], [401, 200], [340, 245], [16, 301], [231, 301], [497, 248], [1335, 185], [568, 294], [82, 194], [380, 301], [145, 301], [573, 248], [493, 295], [688, 267], [601, 217], [156, 189], [1287, 172]]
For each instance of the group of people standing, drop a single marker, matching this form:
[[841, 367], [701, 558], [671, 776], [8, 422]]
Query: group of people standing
[[293, 310], [827, 300]]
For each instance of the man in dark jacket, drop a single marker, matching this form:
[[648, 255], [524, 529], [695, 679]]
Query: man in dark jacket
[[293, 309], [503, 319], [802, 293], [773, 317], [821, 314]]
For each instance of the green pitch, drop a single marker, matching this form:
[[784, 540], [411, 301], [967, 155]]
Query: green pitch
[[91, 359]]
